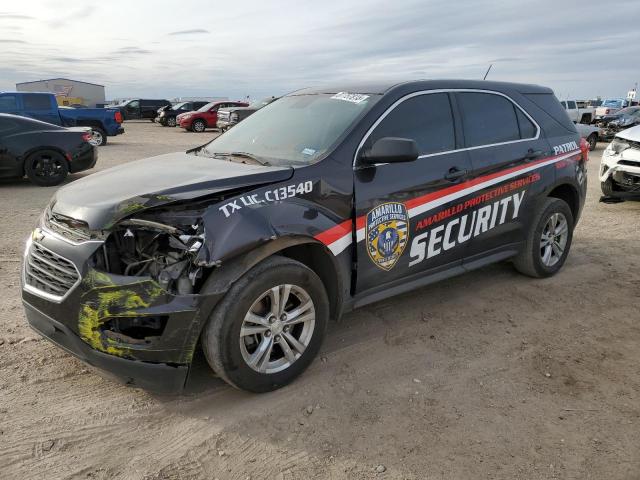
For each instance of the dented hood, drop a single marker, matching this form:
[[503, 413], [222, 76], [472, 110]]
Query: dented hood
[[104, 198]]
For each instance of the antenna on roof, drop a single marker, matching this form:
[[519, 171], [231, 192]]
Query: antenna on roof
[[488, 69]]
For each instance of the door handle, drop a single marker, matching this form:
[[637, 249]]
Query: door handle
[[454, 174], [533, 154]]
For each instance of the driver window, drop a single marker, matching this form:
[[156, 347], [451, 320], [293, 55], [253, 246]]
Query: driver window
[[134, 104], [426, 119]]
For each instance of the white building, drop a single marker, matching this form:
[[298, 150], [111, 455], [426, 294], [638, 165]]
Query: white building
[[68, 91]]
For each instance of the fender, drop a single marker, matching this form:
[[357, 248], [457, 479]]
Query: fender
[[235, 244]]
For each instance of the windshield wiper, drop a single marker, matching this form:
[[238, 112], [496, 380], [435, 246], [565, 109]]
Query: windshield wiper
[[242, 155]]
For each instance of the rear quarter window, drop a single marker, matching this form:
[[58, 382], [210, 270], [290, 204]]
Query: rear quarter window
[[551, 106]]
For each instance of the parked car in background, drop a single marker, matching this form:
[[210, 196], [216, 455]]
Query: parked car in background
[[167, 115], [140, 108], [44, 152], [43, 106], [205, 117], [620, 165], [609, 106], [590, 133], [621, 120], [578, 111], [228, 117]]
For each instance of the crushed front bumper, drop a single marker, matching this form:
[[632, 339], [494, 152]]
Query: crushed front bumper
[[623, 171], [125, 325], [156, 377]]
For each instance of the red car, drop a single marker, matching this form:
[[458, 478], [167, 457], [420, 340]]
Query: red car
[[205, 117]]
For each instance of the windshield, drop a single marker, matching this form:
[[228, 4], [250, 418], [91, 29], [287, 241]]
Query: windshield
[[616, 103], [177, 106], [207, 107], [297, 129]]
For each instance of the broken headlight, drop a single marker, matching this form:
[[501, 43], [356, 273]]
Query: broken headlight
[[139, 247], [617, 146]]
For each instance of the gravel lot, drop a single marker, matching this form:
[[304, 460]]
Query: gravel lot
[[487, 375]]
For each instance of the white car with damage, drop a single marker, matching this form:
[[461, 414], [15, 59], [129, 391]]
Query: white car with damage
[[620, 165]]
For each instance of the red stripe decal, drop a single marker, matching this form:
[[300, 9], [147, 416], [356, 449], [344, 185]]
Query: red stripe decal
[[336, 233]]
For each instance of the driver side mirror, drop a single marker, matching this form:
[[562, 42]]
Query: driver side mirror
[[390, 150]]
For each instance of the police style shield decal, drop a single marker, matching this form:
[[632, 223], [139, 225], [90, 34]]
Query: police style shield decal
[[387, 233]]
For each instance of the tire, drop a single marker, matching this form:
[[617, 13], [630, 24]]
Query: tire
[[171, 122], [198, 126], [153, 120], [98, 137], [593, 141], [46, 168], [230, 350], [536, 260], [607, 187]]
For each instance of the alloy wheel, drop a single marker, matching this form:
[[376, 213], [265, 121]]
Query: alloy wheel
[[277, 329], [96, 138], [554, 239]]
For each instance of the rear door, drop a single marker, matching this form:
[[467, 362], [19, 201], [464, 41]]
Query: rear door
[[405, 225], [41, 107], [507, 153], [10, 165]]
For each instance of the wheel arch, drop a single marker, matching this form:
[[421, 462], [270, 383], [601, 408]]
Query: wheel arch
[[570, 195], [305, 250]]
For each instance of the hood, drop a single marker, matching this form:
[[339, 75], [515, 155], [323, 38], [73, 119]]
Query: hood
[[632, 134], [105, 197]]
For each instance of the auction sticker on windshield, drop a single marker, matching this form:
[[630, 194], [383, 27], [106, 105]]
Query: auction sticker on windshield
[[350, 97]]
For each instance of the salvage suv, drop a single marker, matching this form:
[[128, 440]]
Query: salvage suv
[[324, 201]]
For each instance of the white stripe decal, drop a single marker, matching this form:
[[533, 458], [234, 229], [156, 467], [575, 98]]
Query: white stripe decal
[[342, 243]]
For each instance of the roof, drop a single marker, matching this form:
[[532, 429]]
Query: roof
[[381, 88], [67, 79]]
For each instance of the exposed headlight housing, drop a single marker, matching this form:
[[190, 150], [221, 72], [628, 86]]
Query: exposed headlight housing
[[617, 146], [234, 117]]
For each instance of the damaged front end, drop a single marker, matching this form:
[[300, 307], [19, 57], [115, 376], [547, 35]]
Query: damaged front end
[[138, 292]]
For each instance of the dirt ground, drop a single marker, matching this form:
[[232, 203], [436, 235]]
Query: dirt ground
[[488, 375]]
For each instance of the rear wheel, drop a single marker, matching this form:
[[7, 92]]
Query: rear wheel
[[98, 137], [593, 141], [198, 126], [269, 326], [46, 168], [548, 240]]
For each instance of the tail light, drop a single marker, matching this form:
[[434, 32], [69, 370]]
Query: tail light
[[118, 117], [87, 137], [584, 149]]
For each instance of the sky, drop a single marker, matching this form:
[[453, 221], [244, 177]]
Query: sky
[[168, 49]]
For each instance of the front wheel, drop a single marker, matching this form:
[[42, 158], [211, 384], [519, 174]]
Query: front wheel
[[269, 326], [548, 240], [46, 168], [171, 122]]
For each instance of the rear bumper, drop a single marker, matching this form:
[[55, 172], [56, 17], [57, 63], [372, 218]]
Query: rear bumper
[[84, 161], [156, 377], [117, 131]]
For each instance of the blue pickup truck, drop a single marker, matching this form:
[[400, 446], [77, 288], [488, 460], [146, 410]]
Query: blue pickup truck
[[43, 106]]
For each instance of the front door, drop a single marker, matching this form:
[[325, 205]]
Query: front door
[[407, 222], [132, 110]]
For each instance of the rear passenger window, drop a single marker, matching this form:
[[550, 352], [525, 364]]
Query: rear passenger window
[[8, 103], [427, 119], [36, 102], [487, 119]]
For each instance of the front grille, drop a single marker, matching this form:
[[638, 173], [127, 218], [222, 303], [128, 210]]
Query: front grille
[[630, 163], [48, 273], [73, 230]]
